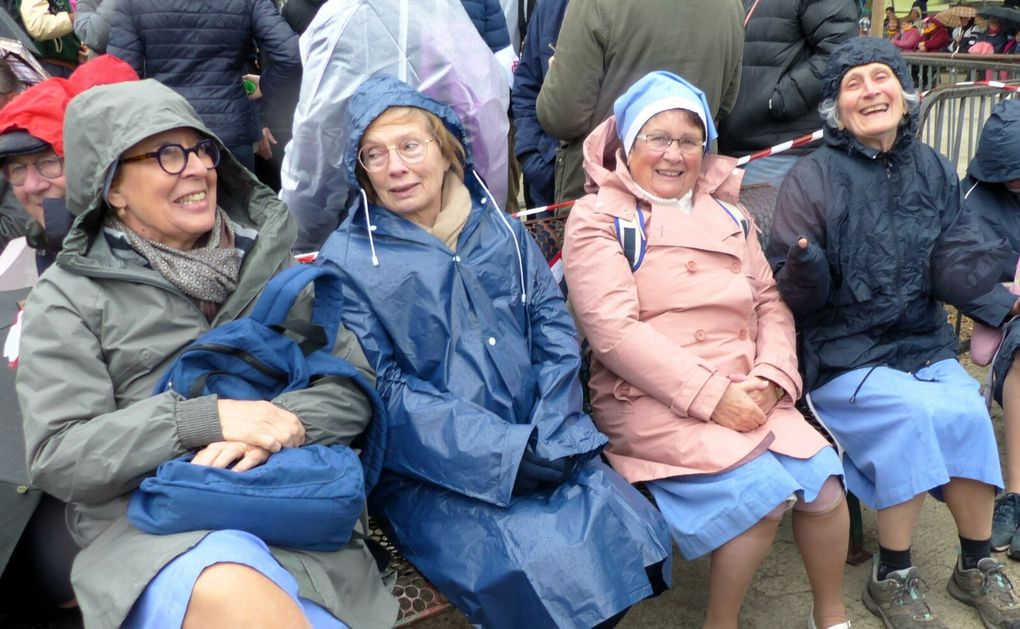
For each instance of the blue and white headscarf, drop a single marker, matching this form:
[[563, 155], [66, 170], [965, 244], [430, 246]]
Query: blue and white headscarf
[[654, 93]]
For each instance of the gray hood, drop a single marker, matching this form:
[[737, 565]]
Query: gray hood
[[105, 121]]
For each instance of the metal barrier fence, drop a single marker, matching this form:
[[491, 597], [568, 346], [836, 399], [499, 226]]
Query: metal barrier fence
[[952, 118], [930, 70]]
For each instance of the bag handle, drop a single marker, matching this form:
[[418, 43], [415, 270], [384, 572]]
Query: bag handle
[[282, 290]]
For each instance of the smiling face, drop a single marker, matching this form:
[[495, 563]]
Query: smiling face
[[36, 187], [671, 174], [412, 190], [871, 105], [174, 210]]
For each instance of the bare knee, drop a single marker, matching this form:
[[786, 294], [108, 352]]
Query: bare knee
[[830, 498], [235, 595]]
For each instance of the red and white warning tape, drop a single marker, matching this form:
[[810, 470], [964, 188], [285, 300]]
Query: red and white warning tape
[[779, 148]]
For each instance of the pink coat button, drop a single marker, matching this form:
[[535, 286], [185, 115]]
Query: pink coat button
[[700, 335]]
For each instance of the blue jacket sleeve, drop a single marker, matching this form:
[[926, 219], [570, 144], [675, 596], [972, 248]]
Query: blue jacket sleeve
[[124, 41], [563, 430], [279, 43], [802, 275], [433, 435]]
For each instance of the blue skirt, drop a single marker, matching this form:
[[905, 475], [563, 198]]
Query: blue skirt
[[705, 511], [165, 599], [904, 434]]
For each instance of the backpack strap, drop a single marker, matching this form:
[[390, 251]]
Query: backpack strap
[[737, 215], [283, 289], [632, 237]]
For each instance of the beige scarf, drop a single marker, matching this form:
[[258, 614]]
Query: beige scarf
[[454, 211]]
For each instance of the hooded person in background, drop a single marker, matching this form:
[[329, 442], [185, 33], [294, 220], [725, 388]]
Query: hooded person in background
[[991, 192]]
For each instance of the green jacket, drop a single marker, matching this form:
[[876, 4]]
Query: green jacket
[[99, 331], [606, 45]]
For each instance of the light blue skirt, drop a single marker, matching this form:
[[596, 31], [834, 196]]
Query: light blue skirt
[[904, 434], [165, 599], [705, 511]]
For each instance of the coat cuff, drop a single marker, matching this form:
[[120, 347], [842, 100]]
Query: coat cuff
[[700, 394], [779, 375], [517, 438], [198, 422]]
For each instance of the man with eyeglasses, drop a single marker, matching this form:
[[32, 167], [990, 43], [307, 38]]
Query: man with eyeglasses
[[32, 150], [33, 170]]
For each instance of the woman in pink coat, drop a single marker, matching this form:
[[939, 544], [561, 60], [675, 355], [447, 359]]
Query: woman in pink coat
[[694, 364]]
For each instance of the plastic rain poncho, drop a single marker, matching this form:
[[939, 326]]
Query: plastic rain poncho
[[429, 44]]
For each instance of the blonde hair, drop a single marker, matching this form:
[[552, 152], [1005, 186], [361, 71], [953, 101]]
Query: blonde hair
[[449, 146]]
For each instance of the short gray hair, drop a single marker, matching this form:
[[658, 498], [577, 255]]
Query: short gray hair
[[829, 108]]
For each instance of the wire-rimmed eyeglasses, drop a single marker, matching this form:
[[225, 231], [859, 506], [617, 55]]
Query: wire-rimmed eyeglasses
[[375, 157], [661, 143], [49, 166]]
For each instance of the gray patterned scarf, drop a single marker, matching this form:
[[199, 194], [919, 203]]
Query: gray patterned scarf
[[207, 273]]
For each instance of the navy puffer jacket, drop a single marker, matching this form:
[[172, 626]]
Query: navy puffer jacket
[[200, 48], [889, 241], [488, 18]]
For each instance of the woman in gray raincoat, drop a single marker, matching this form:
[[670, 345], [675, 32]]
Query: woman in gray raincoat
[[172, 238]]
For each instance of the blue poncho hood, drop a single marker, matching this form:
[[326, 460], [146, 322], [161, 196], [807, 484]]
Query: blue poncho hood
[[377, 94]]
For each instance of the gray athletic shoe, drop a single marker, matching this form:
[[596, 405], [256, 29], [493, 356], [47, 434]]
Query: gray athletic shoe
[[1005, 521], [900, 600], [989, 590]]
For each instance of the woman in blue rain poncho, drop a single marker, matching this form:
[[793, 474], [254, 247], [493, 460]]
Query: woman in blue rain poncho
[[492, 485]]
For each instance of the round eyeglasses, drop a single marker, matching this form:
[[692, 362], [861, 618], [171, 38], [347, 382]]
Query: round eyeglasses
[[661, 143], [375, 157], [173, 158], [48, 167]]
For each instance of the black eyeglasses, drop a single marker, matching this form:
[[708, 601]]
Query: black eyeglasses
[[173, 158], [49, 167]]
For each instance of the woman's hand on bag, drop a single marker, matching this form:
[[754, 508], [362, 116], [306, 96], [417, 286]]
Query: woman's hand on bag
[[737, 410], [235, 455], [260, 424]]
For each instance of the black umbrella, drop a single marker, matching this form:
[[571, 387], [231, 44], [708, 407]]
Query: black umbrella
[[10, 29], [1002, 14]]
